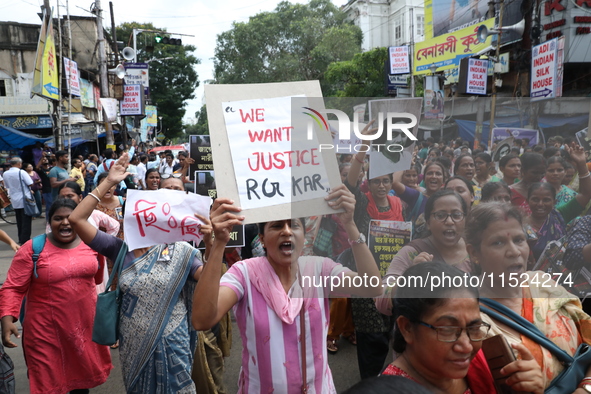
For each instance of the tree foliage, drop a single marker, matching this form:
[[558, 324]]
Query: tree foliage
[[172, 82], [363, 76], [295, 42], [201, 127]]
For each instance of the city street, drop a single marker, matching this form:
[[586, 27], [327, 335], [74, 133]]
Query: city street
[[343, 364]]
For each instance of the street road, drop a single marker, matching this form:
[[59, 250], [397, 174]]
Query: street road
[[343, 364]]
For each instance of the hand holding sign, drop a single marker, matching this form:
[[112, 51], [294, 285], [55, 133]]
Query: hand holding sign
[[341, 198], [224, 218]]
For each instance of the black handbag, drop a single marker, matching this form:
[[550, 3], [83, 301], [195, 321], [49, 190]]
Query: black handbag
[[575, 367], [105, 330], [30, 205]]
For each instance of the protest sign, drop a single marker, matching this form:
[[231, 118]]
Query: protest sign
[[200, 151], [163, 216], [388, 156], [275, 172], [385, 239]]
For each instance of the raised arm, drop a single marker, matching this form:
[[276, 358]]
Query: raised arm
[[79, 217], [577, 154], [210, 300], [342, 198], [358, 158]]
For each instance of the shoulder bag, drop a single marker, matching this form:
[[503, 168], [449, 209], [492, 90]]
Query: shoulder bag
[[575, 367], [106, 320], [29, 202]]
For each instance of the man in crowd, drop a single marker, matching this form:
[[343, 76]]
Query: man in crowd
[[18, 183], [58, 175]]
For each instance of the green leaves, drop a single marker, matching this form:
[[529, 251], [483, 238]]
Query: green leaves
[[173, 81], [294, 42], [363, 76]]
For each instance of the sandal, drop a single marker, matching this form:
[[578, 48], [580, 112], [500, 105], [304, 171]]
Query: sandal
[[353, 339], [331, 346]]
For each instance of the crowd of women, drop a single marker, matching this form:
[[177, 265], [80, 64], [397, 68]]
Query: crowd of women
[[470, 216]]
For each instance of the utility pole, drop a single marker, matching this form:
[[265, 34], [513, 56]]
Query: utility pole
[[493, 103], [55, 110], [116, 52], [69, 88], [102, 56]]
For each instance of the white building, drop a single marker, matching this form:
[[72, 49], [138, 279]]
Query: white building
[[387, 23]]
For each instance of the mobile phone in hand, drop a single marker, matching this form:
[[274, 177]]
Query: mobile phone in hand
[[498, 353]]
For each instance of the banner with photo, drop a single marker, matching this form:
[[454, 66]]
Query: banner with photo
[[448, 16], [385, 239]]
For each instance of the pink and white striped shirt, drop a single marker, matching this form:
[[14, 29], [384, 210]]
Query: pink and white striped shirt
[[271, 359]]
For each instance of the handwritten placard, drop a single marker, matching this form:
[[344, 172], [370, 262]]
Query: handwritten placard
[[385, 239], [264, 157], [163, 216]]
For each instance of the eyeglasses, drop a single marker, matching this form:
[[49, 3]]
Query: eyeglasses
[[166, 176], [378, 182], [441, 216], [453, 333]]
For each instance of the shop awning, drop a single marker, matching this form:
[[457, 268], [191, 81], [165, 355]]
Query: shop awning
[[13, 139], [75, 142]]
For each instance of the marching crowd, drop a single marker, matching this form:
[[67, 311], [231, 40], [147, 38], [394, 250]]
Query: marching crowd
[[520, 225]]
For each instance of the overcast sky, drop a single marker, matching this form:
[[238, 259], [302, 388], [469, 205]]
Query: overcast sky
[[204, 19]]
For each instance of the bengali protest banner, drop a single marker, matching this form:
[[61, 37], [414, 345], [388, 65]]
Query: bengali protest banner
[[276, 172], [163, 216], [200, 151], [385, 239], [391, 155]]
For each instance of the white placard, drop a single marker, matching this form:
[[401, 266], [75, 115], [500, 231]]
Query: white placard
[[162, 216], [265, 158], [132, 100], [110, 108], [543, 71], [399, 60], [391, 155], [477, 76], [72, 76]]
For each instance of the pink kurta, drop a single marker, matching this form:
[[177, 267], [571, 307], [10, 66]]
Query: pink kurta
[[60, 308]]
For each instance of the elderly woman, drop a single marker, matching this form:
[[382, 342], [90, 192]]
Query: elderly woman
[[430, 342], [275, 301], [497, 243]]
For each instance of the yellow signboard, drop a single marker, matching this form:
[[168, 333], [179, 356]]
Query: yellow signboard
[[45, 77], [446, 50]]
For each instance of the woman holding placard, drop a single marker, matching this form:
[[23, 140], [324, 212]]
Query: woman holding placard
[[156, 340], [282, 297]]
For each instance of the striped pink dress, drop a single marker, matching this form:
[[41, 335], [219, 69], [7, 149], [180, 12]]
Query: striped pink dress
[[271, 360]]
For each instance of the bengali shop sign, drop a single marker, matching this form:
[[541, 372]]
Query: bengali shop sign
[[447, 50], [72, 76]]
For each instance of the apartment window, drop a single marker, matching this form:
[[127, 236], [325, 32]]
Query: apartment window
[[420, 25], [397, 29], [2, 87]]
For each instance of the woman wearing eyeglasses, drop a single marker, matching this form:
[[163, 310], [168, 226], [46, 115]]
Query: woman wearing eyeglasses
[[497, 243], [445, 214], [439, 333]]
